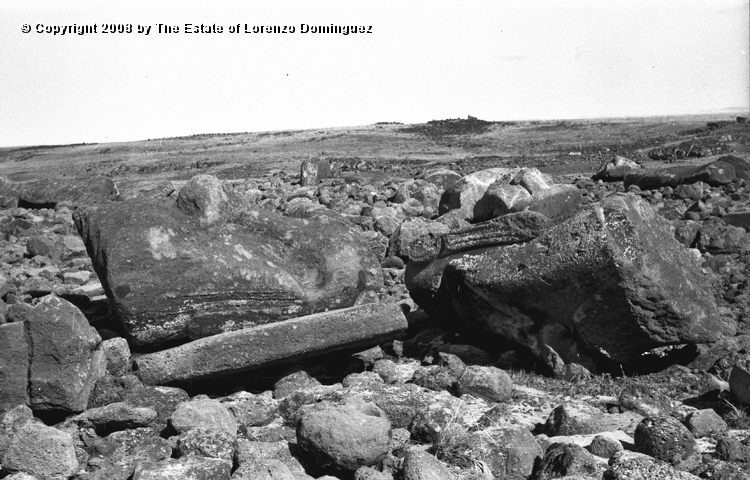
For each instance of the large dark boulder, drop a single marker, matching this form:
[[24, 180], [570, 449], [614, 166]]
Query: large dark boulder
[[208, 263], [49, 192], [65, 358], [610, 282]]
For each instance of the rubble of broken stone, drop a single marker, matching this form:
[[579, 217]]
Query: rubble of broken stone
[[116, 306]]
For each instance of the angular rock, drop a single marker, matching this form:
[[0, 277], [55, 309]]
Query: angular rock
[[737, 219], [574, 418], [344, 437], [739, 384], [293, 382], [254, 453], [464, 194], [717, 237], [610, 281], [119, 416], [420, 465], [120, 452], [369, 473], [314, 170], [637, 466], [117, 354], [233, 352], [731, 449], [42, 451], [664, 438], [164, 400], [615, 169], [50, 246], [716, 173], [65, 358], [705, 422], [490, 383], [498, 200], [264, 469], [605, 446], [532, 180], [508, 452], [557, 203], [568, 460], [435, 378], [14, 366], [251, 410], [210, 262], [437, 419], [185, 468], [207, 443], [109, 389], [10, 423], [203, 413], [418, 239], [361, 379]]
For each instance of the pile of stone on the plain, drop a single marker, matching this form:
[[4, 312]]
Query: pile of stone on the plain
[[582, 277]]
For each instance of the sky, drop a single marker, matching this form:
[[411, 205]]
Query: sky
[[422, 60]]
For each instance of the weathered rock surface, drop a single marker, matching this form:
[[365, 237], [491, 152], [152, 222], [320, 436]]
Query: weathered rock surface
[[10, 423], [494, 192], [420, 465], [42, 451], [464, 194], [344, 437], [490, 383], [186, 468], [664, 438], [568, 460], [233, 352], [314, 170], [615, 169], [14, 366], [65, 356], [204, 414], [719, 172], [48, 192], [611, 279], [208, 263], [425, 244]]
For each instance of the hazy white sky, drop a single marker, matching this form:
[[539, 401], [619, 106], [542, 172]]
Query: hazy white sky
[[424, 60]]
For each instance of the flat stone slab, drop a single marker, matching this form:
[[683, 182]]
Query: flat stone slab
[[242, 350]]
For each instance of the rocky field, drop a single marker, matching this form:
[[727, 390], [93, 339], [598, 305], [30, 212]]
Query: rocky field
[[459, 299]]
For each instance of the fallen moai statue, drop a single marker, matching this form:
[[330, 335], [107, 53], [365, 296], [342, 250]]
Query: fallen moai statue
[[609, 283], [716, 173], [234, 352], [208, 263]]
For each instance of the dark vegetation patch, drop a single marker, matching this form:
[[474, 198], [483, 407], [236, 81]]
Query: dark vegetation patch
[[450, 127]]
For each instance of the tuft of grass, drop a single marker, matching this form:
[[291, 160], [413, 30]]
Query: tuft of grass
[[594, 385], [736, 417], [457, 446]]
